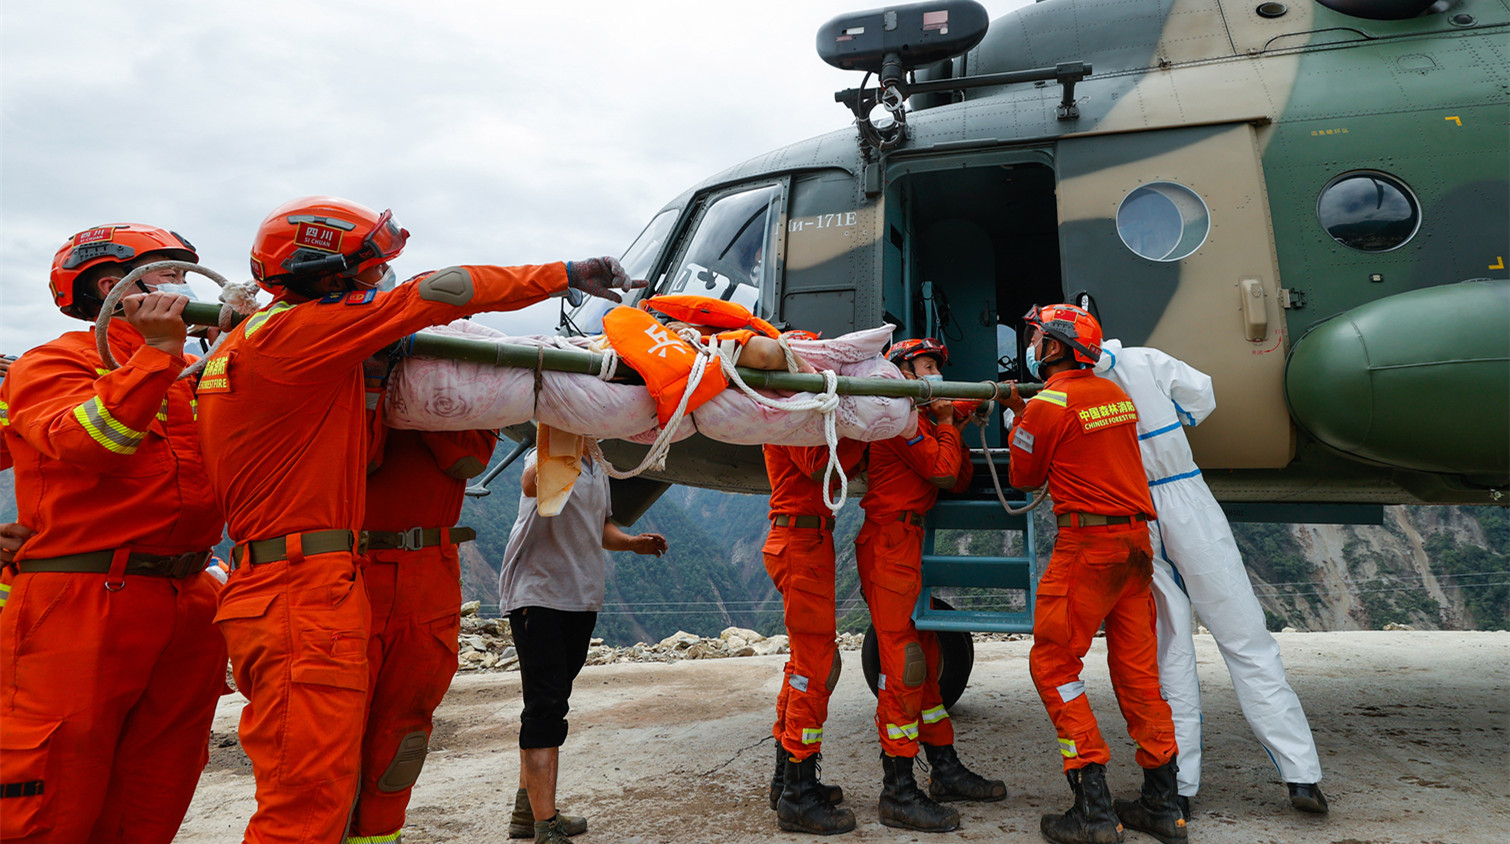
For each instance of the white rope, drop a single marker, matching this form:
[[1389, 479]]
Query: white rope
[[792, 365], [238, 298], [655, 458], [826, 403], [1036, 497], [608, 363]]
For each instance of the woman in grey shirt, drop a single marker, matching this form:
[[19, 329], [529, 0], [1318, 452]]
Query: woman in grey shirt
[[551, 586]]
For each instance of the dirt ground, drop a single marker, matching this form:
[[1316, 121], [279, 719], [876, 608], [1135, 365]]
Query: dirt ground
[[1411, 727]]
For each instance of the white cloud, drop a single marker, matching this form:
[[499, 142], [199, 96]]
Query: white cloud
[[497, 132]]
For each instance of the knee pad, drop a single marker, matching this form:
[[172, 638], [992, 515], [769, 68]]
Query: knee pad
[[833, 672], [914, 665], [406, 764]]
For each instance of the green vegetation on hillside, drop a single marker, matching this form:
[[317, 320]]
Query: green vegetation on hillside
[[1478, 572]]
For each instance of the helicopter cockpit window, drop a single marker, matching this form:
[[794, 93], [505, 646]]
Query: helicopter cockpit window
[[638, 261], [729, 255], [1370, 212], [1163, 221]]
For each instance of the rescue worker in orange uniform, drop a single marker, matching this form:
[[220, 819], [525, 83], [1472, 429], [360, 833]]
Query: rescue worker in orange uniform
[[14, 534], [283, 423], [799, 556], [905, 474], [1080, 435], [109, 663], [412, 572]]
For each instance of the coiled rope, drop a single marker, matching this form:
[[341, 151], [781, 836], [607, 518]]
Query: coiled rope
[[236, 298], [655, 458], [708, 352], [826, 403]]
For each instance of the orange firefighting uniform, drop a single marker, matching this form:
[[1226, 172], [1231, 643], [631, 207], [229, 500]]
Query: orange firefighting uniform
[[889, 555], [283, 421], [108, 682], [416, 613], [1080, 433], [800, 561]]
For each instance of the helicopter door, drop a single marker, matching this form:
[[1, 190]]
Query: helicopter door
[[1168, 232], [971, 243]]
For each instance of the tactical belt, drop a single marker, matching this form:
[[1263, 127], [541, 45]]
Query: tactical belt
[[414, 539], [275, 549], [796, 521], [910, 518], [1097, 520], [176, 566]]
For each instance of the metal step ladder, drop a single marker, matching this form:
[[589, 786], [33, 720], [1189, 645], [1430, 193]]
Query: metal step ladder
[[974, 513]]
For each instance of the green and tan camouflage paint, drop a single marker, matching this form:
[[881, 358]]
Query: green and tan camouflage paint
[[1255, 115]]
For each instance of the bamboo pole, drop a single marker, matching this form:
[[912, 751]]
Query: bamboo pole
[[584, 362]]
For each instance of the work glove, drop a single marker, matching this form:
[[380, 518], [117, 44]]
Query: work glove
[[598, 277]]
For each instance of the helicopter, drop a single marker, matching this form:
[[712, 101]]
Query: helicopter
[[1308, 200]]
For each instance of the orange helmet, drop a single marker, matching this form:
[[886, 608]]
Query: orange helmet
[[1072, 326], [117, 243], [905, 350], [316, 235]]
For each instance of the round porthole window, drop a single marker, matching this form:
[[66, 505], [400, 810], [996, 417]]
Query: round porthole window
[[1368, 211], [1163, 221]]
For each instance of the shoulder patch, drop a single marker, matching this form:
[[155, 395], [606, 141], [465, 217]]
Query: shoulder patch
[[350, 297], [1022, 439]]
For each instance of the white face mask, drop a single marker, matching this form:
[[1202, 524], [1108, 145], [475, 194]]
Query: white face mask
[[180, 289]]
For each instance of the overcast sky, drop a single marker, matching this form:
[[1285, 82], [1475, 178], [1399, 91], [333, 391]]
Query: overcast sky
[[498, 132]]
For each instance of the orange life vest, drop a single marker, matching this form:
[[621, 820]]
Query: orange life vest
[[662, 358]]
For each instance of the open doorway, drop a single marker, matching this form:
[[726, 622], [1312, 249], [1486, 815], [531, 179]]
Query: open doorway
[[972, 243]]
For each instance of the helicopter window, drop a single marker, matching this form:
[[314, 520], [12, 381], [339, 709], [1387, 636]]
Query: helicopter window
[[638, 261], [1370, 212], [1163, 221], [728, 256]]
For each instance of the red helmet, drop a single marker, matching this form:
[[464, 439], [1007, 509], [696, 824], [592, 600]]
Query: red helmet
[[1072, 326], [117, 243], [802, 334], [905, 350], [317, 235]]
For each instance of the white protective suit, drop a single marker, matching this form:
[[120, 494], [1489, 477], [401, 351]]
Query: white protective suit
[[1197, 564]]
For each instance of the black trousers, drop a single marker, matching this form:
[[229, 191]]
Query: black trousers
[[552, 648]]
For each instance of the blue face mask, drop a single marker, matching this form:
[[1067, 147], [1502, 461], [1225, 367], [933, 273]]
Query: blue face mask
[[934, 377], [1032, 363]]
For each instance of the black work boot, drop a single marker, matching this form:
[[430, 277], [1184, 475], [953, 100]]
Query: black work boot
[[1157, 809], [833, 793], [522, 823], [1307, 797], [949, 779], [1091, 820], [905, 806], [804, 807]]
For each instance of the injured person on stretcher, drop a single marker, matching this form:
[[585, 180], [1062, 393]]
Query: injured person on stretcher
[[685, 362]]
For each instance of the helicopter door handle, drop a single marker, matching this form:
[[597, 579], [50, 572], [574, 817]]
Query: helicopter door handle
[[1255, 309]]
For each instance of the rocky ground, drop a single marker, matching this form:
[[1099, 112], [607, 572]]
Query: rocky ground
[[1411, 725], [486, 643]]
